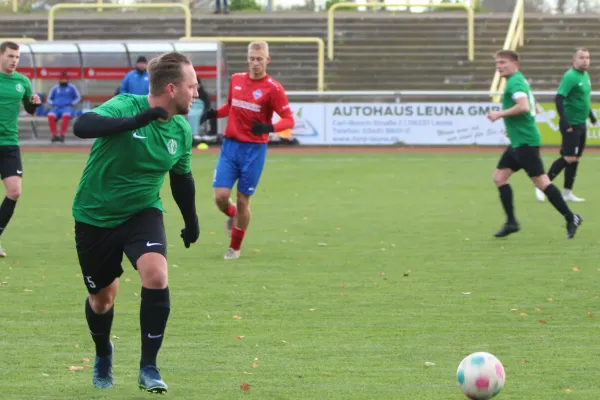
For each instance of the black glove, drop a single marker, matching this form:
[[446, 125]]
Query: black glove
[[151, 114], [211, 113], [260, 129], [593, 118], [190, 233]]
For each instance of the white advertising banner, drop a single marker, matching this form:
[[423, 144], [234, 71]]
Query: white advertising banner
[[396, 123]]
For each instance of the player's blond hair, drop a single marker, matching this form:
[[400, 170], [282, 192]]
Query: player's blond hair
[[259, 46], [166, 69], [577, 50], [510, 54]]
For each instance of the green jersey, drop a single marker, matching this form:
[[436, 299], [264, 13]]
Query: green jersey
[[14, 89], [125, 172], [576, 88], [521, 129]]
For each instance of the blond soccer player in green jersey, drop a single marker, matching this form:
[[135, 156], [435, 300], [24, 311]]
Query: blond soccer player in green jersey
[[574, 106], [518, 113], [118, 210], [15, 89]]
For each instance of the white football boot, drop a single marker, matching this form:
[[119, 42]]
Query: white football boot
[[569, 196], [539, 195], [232, 254]]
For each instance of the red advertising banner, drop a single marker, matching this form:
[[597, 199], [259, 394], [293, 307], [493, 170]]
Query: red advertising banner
[[56, 72], [27, 71], [108, 73], [206, 71]]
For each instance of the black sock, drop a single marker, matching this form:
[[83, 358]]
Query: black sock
[[506, 196], [556, 168], [570, 173], [6, 212], [555, 197], [99, 325], [154, 313]]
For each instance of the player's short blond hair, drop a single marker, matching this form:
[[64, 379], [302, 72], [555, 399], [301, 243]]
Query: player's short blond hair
[[577, 50], [166, 69], [259, 46], [510, 54]]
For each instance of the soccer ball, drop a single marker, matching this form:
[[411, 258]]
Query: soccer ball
[[480, 376]]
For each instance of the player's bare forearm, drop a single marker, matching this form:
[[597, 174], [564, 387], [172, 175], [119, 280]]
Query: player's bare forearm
[[517, 109]]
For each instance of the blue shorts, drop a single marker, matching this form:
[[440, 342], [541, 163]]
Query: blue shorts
[[242, 162], [58, 112]]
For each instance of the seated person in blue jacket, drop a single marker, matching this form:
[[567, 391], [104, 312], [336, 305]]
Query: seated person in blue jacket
[[62, 97], [136, 81]]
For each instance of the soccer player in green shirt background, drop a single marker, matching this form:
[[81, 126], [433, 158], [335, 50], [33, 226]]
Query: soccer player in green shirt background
[[574, 106], [15, 89], [117, 207], [518, 112]]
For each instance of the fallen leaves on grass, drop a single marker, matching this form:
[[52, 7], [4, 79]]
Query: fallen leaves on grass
[[343, 286], [312, 309], [590, 314], [284, 342], [466, 293], [237, 317], [576, 269], [541, 321], [240, 337], [245, 387], [537, 309], [28, 290], [568, 390], [254, 365], [429, 364], [550, 299], [85, 360], [322, 244], [523, 314], [74, 368]]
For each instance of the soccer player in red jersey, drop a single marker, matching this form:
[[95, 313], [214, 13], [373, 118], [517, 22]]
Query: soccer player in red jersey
[[253, 98]]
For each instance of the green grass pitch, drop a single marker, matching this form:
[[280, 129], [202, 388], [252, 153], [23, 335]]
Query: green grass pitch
[[356, 271]]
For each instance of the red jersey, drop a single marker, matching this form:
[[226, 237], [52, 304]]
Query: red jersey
[[253, 101]]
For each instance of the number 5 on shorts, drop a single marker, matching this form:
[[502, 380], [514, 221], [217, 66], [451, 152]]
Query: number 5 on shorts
[[90, 282]]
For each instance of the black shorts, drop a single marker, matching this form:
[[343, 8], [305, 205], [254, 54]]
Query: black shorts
[[526, 157], [10, 161], [573, 142], [100, 250]]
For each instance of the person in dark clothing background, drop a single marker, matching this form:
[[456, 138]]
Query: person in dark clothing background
[[205, 97]]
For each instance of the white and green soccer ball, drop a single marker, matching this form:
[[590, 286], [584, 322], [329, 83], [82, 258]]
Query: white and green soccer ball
[[480, 376]]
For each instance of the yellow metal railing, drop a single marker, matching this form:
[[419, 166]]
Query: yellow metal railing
[[469, 10], [514, 37], [288, 39], [18, 40], [100, 5]]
